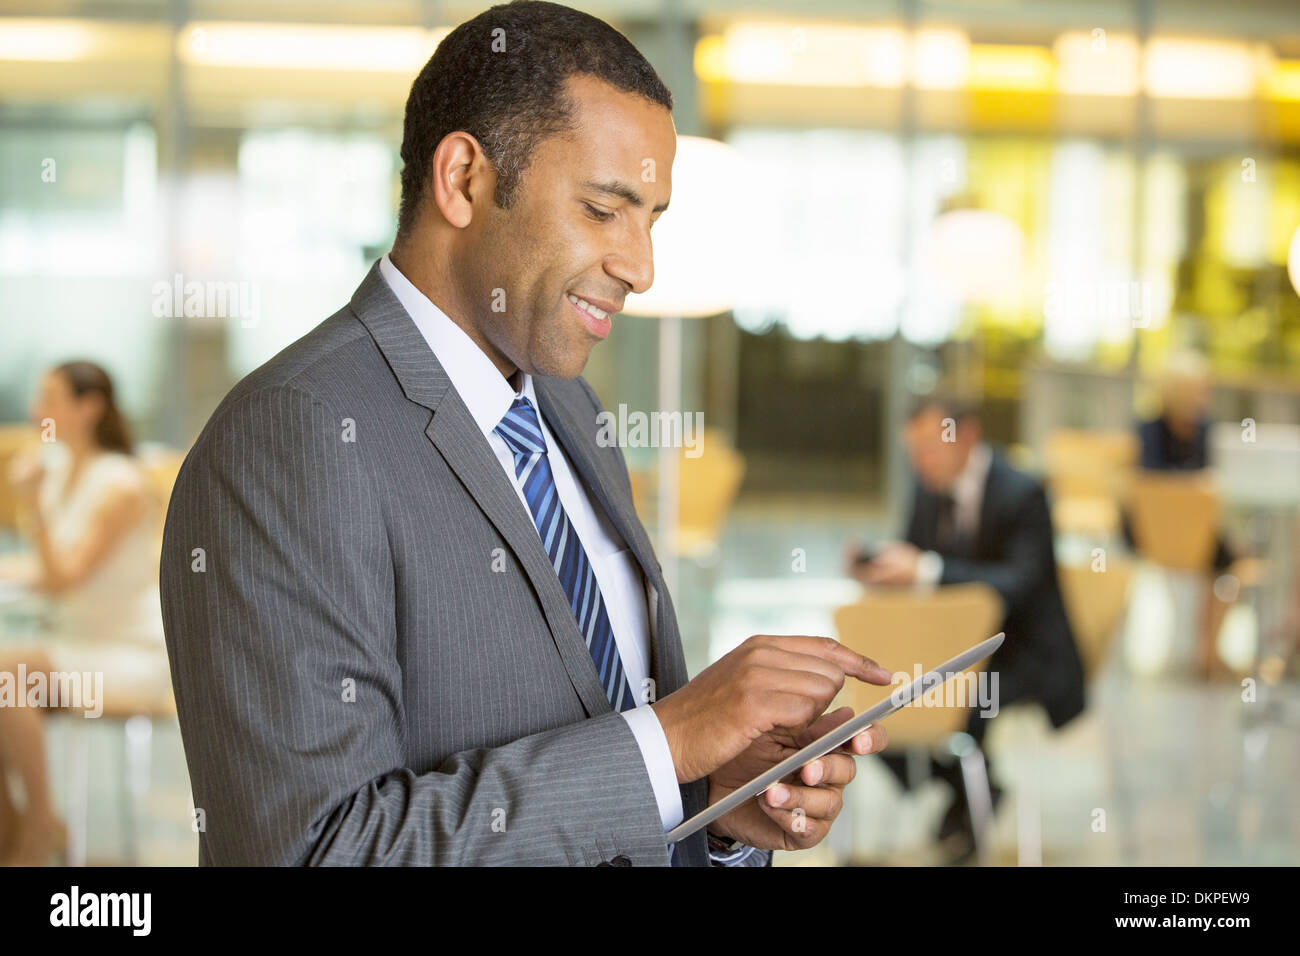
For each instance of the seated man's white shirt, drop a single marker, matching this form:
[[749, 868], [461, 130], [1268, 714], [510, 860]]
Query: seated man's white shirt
[[968, 496]]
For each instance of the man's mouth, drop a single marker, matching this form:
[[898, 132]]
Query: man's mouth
[[594, 318]]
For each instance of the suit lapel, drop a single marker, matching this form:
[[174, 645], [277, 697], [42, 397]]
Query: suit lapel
[[457, 437], [667, 666]]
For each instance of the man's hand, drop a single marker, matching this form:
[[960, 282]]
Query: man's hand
[[769, 683], [797, 812], [853, 566], [896, 563]]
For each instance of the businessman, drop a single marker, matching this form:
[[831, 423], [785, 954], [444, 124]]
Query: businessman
[[976, 518], [411, 613]]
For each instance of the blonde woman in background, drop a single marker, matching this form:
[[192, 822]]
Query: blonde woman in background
[[1178, 440], [92, 521]]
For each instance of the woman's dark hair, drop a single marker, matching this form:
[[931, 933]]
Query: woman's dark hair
[[501, 78], [111, 432]]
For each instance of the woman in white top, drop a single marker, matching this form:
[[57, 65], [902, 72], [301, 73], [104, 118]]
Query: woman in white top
[[93, 521]]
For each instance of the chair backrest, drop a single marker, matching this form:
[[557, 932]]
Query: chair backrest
[[1088, 464], [1175, 518], [161, 467], [123, 705], [1095, 602], [707, 488], [709, 485], [912, 631], [1088, 516], [14, 438]]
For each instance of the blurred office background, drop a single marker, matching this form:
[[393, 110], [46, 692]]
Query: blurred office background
[[1034, 203]]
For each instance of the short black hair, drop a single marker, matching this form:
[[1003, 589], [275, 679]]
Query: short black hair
[[948, 404], [501, 78]]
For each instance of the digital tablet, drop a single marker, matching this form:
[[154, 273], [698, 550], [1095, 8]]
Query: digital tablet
[[839, 736]]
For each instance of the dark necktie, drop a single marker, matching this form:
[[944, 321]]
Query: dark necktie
[[947, 538]]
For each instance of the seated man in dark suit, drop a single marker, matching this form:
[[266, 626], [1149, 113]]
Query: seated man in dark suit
[[975, 518]]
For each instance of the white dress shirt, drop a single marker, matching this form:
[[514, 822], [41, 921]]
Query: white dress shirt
[[968, 496], [488, 396]]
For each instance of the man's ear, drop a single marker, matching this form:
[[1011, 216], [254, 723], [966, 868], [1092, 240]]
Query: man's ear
[[460, 172]]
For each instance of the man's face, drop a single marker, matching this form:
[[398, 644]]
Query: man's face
[[937, 461], [566, 236]]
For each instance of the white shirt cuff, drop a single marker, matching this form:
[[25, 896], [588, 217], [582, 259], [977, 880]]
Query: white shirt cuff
[[929, 569], [658, 759]]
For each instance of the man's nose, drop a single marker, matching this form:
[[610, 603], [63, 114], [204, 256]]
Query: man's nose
[[633, 262]]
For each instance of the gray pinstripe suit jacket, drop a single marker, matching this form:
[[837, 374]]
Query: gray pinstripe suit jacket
[[356, 684]]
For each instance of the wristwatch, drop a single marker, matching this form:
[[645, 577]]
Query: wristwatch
[[721, 845]]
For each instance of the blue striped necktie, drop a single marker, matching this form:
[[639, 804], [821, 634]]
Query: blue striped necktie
[[522, 433]]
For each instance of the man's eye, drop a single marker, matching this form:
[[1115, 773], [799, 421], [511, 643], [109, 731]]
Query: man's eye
[[598, 213]]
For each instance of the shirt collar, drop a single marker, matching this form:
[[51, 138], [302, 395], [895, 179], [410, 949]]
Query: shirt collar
[[484, 390]]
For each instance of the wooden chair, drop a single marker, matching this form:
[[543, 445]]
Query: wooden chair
[[709, 485], [1086, 474], [14, 439], [1175, 518], [1088, 464], [161, 467], [1095, 602], [911, 631], [1089, 517], [136, 712], [707, 488]]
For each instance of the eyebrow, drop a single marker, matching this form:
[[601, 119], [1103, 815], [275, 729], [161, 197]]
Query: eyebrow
[[622, 191]]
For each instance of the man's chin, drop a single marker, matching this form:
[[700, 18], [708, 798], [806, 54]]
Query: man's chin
[[564, 366]]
